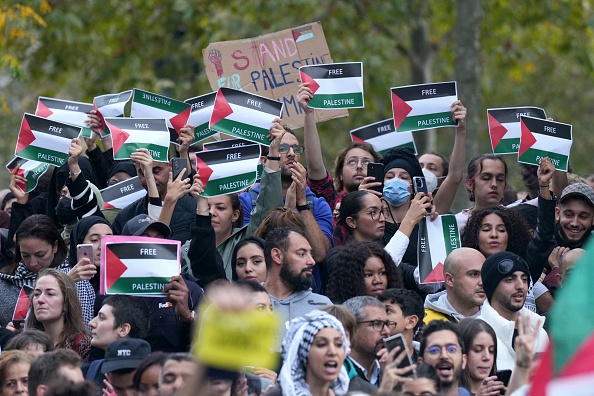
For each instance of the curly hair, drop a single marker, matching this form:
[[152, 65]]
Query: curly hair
[[347, 280], [517, 228], [341, 157]]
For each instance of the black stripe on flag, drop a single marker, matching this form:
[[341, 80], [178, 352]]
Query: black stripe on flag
[[51, 127], [507, 116], [228, 143], [374, 130], [423, 251], [140, 250], [334, 70], [213, 157], [425, 91], [138, 124], [68, 105], [549, 128], [251, 101], [105, 100], [202, 101], [121, 189]]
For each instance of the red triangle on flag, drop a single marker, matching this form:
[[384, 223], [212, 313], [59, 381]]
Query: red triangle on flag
[[203, 170], [496, 130], [221, 109], [400, 108], [356, 138], [98, 113], [180, 120], [118, 137], [21, 173], [26, 136], [42, 110], [436, 275], [305, 78], [22, 306], [107, 205], [116, 268], [543, 374], [527, 140]]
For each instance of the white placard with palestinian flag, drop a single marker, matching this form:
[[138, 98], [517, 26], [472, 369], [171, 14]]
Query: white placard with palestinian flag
[[424, 106], [437, 239], [129, 134], [504, 127], [122, 194], [228, 143], [383, 136], [66, 111], [202, 107], [138, 266], [334, 85], [30, 170], [244, 115], [150, 105], [44, 140], [111, 105], [229, 170], [543, 138]]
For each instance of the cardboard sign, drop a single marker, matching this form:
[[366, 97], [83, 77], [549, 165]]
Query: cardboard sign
[[269, 65], [437, 239]]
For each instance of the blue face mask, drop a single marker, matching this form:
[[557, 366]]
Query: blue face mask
[[396, 191]]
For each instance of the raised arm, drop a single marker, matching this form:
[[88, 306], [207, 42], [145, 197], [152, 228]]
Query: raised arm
[[311, 140]]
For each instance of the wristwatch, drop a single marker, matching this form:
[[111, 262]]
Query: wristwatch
[[301, 208]]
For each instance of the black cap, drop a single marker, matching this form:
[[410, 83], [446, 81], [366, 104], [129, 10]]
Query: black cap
[[125, 354], [138, 224]]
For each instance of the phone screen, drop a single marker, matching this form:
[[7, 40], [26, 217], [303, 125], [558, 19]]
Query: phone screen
[[376, 170], [397, 340]]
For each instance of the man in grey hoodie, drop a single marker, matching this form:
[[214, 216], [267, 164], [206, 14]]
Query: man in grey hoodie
[[464, 292], [290, 264]]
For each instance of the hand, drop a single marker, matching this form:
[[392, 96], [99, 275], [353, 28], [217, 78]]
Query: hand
[[15, 180], [490, 387], [555, 256], [94, 122], [275, 135], [242, 387], [185, 139], [545, 173], [265, 373], [144, 159], [392, 375], [108, 390], [525, 341], [299, 175], [178, 294], [195, 191], [459, 114], [418, 208], [291, 197], [74, 152], [176, 188], [83, 270], [304, 95], [368, 182], [16, 329]]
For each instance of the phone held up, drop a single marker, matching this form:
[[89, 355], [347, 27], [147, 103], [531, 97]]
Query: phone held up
[[420, 185], [179, 165], [84, 251], [397, 340], [376, 169]]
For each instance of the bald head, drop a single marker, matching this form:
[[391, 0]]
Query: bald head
[[463, 282], [462, 257], [568, 260]]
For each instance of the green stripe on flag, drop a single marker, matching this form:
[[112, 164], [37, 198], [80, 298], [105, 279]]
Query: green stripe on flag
[[202, 132], [244, 131], [336, 101], [140, 285], [231, 184], [43, 155], [409, 144], [533, 156], [426, 121], [159, 102], [507, 146], [451, 236], [159, 153]]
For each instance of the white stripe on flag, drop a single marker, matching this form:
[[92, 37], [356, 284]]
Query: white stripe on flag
[[392, 139], [201, 116], [68, 117], [575, 385], [431, 105], [124, 201], [140, 110], [250, 116], [551, 144], [149, 267], [160, 138], [514, 130], [436, 241], [339, 85], [226, 169], [51, 142], [113, 109]]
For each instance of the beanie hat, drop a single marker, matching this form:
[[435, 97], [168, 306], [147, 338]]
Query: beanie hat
[[402, 158], [498, 267]]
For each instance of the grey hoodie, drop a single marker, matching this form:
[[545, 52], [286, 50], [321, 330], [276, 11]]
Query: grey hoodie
[[439, 302], [298, 304]]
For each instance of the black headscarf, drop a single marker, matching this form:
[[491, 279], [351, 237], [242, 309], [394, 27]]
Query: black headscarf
[[402, 158], [79, 232], [124, 166]]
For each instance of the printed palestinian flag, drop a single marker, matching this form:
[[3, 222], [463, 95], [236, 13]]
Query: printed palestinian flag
[[122, 194], [567, 366], [227, 170], [44, 140], [149, 105], [504, 127], [383, 136], [202, 107], [111, 105], [437, 239], [244, 115], [424, 106], [137, 265], [22, 306], [334, 85], [227, 143], [66, 111], [541, 138], [129, 134], [30, 170], [303, 33]]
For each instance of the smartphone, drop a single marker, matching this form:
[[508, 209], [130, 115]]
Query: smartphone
[[376, 169], [504, 376], [84, 251], [397, 340], [179, 165], [420, 185]]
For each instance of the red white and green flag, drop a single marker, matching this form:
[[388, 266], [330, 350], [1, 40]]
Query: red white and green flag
[[437, 239], [44, 140], [129, 134], [244, 115], [567, 366], [229, 143], [122, 194], [541, 138], [30, 170], [202, 107], [137, 265], [66, 111], [424, 106], [21, 308], [334, 85], [504, 127], [111, 105], [229, 170], [383, 136], [150, 105]]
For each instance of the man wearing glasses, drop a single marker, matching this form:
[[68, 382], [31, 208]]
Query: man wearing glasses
[[442, 347], [505, 281], [372, 327]]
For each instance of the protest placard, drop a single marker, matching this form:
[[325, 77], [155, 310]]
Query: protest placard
[[504, 127], [111, 105], [543, 138], [30, 170], [122, 194], [236, 142], [437, 239], [202, 107], [383, 136], [334, 85], [130, 134], [66, 111]]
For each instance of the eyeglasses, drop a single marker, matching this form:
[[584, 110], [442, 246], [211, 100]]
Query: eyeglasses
[[353, 162], [378, 325], [375, 213], [505, 266], [435, 350], [284, 148]]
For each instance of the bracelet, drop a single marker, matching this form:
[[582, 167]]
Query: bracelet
[[543, 186], [75, 174], [273, 158]]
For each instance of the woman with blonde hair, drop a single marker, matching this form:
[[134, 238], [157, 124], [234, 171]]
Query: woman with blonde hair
[[14, 372]]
